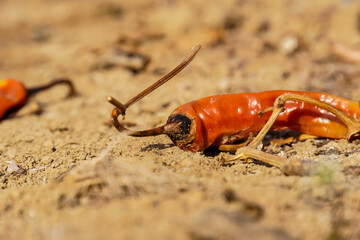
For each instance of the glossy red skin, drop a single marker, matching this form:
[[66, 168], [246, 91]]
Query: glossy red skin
[[224, 119], [12, 94]]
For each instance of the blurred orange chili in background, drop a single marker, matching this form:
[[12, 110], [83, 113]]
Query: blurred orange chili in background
[[14, 95]]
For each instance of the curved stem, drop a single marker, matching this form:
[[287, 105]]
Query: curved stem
[[58, 81], [161, 81], [150, 132]]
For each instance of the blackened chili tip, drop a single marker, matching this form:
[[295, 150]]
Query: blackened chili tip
[[183, 132]]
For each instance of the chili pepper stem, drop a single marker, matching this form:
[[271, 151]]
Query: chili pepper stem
[[58, 81], [145, 133]]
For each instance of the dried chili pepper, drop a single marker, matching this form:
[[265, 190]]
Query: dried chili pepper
[[217, 121], [14, 95]]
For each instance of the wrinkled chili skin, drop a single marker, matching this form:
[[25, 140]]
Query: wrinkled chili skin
[[224, 119], [12, 95]]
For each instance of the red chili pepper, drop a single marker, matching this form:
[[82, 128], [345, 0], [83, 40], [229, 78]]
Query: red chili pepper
[[13, 94], [223, 119]]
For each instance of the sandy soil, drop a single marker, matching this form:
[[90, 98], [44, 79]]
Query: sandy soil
[[68, 174]]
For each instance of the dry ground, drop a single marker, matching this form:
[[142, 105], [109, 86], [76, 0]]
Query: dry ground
[[78, 178]]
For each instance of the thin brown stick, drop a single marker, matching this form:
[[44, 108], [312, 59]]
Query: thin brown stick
[[291, 167], [250, 152], [161, 81], [352, 124], [345, 53]]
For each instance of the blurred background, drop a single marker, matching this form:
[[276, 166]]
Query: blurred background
[[246, 44], [91, 182]]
